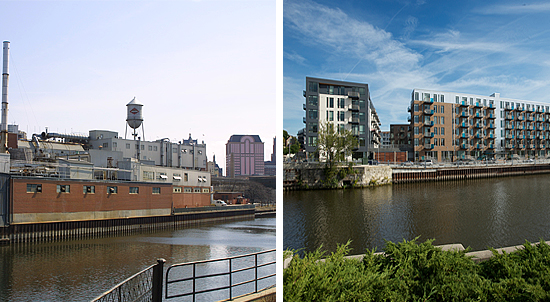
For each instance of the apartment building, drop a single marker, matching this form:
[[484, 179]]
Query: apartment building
[[400, 134], [449, 125], [348, 106]]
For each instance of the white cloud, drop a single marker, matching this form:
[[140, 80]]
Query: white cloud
[[542, 7]]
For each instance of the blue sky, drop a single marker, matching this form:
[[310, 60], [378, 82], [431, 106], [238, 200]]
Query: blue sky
[[478, 47], [200, 67]]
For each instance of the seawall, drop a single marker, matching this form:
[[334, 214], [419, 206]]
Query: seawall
[[85, 229]]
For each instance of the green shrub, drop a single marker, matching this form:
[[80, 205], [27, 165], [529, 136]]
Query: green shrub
[[408, 271]]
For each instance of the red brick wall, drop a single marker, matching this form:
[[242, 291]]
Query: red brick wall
[[189, 200], [51, 202], [398, 156]]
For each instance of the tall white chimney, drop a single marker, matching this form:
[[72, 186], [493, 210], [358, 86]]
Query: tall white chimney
[[5, 78]]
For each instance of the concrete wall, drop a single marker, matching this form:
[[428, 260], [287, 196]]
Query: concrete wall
[[311, 175]]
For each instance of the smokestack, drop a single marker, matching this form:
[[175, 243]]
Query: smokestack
[[5, 77]]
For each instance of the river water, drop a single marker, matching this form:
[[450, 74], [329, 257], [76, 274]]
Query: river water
[[82, 270], [479, 213]]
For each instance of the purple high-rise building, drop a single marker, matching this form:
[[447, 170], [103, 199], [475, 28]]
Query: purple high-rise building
[[244, 155]]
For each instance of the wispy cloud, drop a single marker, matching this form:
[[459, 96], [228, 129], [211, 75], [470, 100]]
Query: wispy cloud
[[293, 56], [503, 9]]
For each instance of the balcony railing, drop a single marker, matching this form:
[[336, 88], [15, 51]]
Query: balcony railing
[[478, 104], [464, 113], [464, 135], [509, 116], [463, 103], [429, 134], [464, 146], [428, 111], [429, 123], [428, 146]]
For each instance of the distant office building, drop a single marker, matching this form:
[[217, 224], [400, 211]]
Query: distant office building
[[244, 155], [348, 106], [270, 167], [385, 136], [400, 135], [213, 168]]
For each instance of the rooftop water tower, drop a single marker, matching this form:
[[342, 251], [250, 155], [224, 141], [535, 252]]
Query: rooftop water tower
[[134, 117]]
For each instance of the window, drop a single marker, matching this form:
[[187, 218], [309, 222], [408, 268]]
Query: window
[[312, 113], [415, 107], [34, 188], [435, 130], [341, 116], [150, 148], [156, 190], [361, 129], [416, 96], [114, 145], [312, 141], [88, 189], [312, 86], [442, 101], [197, 190], [442, 107], [155, 148], [442, 131], [416, 119], [341, 128], [188, 190], [127, 146], [330, 116], [205, 190], [442, 120], [442, 142], [341, 103], [63, 189], [185, 177], [142, 147], [134, 190], [112, 190], [330, 102], [176, 189], [415, 130], [176, 176], [148, 175], [312, 100], [184, 151]]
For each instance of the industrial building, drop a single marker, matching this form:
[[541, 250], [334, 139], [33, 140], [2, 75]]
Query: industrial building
[[348, 106]]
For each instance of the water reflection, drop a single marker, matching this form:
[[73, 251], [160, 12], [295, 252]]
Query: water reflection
[[82, 270], [478, 213]]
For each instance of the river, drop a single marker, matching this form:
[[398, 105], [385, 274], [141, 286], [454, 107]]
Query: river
[[82, 270], [479, 213]]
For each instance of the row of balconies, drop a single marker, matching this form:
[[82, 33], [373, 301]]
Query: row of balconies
[[476, 105], [530, 109]]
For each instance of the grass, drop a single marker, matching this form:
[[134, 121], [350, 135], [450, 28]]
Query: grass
[[411, 271]]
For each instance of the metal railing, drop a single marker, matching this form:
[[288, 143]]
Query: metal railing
[[145, 285], [192, 289]]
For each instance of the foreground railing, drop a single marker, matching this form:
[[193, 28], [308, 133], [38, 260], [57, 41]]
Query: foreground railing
[[143, 286], [213, 273]]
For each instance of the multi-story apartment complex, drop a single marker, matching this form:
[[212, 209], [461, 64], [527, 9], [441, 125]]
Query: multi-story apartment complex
[[244, 155], [348, 106], [449, 125], [400, 135]]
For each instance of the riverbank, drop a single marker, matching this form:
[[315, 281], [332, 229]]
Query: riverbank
[[309, 176], [84, 229]]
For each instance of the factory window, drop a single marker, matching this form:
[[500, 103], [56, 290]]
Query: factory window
[[176, 190], [155, 148], [142, 147], [34, 188], [176, 176], [134, 190], [127, 146], [112, 189], [114, 145], [148, 175], [156, 190], [105, 145], [185, 177], [88, 189], [187, 190], [197, 190], [63, 189], [205, 190], [150, 148], [184, 151], [200, 151]]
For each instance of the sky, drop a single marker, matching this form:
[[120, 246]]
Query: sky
[[201, 67], [395, 46]]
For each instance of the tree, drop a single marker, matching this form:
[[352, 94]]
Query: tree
[[335, 145]]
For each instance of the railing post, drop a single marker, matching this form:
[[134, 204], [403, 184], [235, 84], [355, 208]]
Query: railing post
[[230, 275], [256, 271], [157, 280]]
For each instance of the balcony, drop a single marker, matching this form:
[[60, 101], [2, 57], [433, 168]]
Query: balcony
[[492, 106], [509, 107], [354, 120], [540, 127], [532, 146], [478, 115], [428, 101], [491, 126], [464, 146], [521, 146], [463, 125], [540, 109], [478, 125], [353, 94], [354, 107], [509, 117], [409, 109], [428, 112], [463, 103], [509, 126], [541, 136], [509, 146], [304, 106], [491, 146], [408, 119], [531, 109], [428, 134], [491, 135], [530, 118], [478, 146], [520, 118], [464, 135], [509, 136], [531, 136], [429, 123], [530, 127], [540, 118], [490, 116], [304, 93], [464, 113], [304, 119], [478, 135], [428, 146], [478, 104], [542, 146]]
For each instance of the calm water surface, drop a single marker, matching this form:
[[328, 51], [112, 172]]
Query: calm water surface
[[82, 270], [478, 213]]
